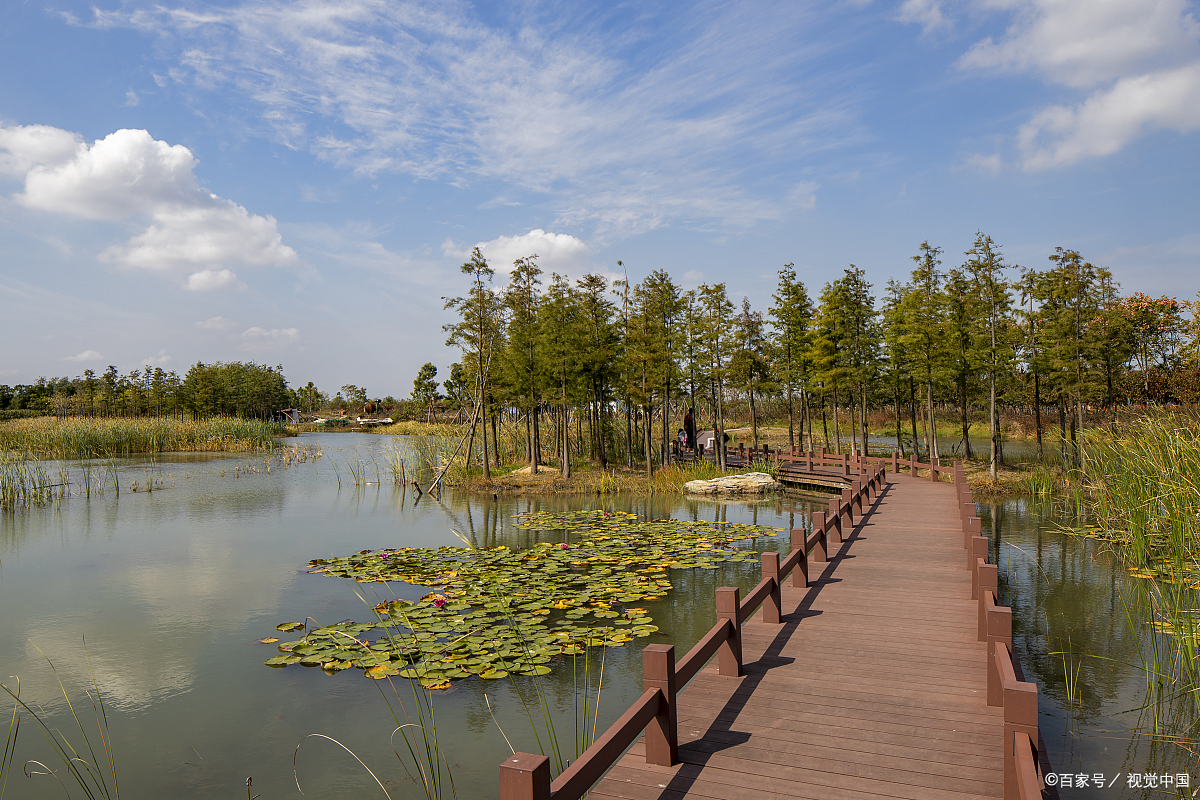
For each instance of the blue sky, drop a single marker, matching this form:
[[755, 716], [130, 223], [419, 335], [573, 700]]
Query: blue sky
[[298, 182]]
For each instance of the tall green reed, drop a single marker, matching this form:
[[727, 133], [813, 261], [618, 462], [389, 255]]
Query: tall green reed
[[95, 774]]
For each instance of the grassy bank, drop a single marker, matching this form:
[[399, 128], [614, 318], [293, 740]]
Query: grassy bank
[[588, 479], [417, 428], [97, 437]]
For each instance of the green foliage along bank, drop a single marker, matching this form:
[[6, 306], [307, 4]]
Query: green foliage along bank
[[102, 437]]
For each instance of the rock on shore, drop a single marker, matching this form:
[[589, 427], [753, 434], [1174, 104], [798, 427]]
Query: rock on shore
[[750, 483]]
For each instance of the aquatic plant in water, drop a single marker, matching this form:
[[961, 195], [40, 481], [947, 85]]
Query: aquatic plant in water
[[498, 611]]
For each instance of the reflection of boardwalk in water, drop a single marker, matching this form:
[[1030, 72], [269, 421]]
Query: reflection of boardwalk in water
[[875, 685]]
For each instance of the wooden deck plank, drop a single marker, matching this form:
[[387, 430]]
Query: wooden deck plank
[[873, 687]]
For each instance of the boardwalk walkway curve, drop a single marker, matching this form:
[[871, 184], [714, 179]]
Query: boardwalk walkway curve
[[882, 666]]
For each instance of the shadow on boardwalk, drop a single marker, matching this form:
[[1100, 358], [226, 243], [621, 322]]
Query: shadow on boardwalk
[[874, 685]]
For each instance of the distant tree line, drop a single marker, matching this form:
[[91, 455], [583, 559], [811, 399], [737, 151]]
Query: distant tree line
[[621, 362], [231, 389]]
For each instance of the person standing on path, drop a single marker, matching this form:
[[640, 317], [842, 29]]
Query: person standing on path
[[689, 428]]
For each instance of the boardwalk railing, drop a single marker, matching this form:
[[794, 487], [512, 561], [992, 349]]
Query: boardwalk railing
[[815, 462], [1006, 682], [525, 776]]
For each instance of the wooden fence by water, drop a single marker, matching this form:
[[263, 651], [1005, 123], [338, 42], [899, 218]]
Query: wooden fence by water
[[881, 666]]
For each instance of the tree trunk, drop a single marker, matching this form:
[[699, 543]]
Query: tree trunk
[[912, 411], [537, 441], [566, 439], [824, 421], [934, 453], [646, 424], [866, 447], [791, 415], [1037, 412], [719, 438], [995, 428], [628, 433], [966, 423], [837, 430], [753, 420], [899, 423], [496, 438]]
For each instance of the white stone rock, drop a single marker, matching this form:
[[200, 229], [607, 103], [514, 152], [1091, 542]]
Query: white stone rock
[[750, 483]]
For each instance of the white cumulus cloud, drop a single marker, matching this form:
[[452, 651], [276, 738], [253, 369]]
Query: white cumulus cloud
[[556, 252], [86, 355], [22, 147], [1135, 63], [129, 176], [210, 280]]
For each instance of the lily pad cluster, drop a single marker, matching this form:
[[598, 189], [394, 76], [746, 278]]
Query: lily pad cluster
[[497, 612]]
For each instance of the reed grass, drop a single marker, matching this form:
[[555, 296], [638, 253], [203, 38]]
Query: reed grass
[[89, 762], [1038, 481], [25, 482], [1143, 482], [672, 477], [415, 428], [98, 437]]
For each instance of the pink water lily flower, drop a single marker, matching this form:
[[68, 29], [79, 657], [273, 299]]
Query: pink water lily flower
[[439, 602], [564, 547]]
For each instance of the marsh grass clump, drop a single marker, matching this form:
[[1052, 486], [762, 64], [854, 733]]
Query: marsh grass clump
[[25, 482], [1143, 482], [416, 428], [106, 437], [672, 477]]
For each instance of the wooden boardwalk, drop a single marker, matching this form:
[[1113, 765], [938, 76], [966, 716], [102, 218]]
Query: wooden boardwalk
[[874, 686]]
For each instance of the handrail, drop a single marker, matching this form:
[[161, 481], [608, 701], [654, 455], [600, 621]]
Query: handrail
[[691, 664], [577, 779], [756, 597], [527, 777], [1006, 686], [846, 461], [1029, 787]]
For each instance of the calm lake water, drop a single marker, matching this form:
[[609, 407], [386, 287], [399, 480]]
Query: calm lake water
[[172, 589]]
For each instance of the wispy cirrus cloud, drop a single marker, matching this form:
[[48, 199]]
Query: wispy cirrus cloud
[[614, 131]]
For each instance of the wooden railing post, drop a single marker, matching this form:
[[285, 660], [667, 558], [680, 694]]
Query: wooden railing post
[[662, 735], [912, 464], [800, 571], [729, 656], [1020, 716], [974, 528], [848, 504], [835, 520], [820, 553], [773, 605], [979, 550], [934, 463], [856, 494], [524, 776], [808, 459], [1029, 782], [987, 578], [895, 461]]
